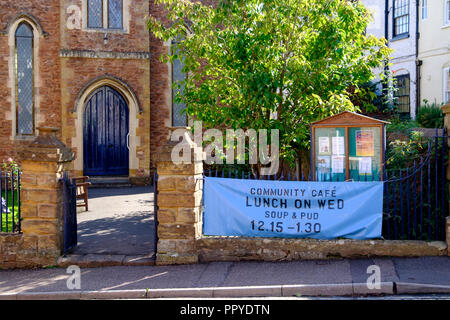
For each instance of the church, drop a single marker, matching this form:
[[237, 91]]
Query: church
[[91, 69]]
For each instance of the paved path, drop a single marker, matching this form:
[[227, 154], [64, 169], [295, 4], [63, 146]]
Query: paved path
[[334, 277], [120, 221]]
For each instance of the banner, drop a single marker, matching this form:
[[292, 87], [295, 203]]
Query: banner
[[293, 209]]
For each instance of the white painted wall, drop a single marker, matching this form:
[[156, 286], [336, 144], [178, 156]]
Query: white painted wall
[[404, 55], [376, 28], [404, 50], [434, 51]]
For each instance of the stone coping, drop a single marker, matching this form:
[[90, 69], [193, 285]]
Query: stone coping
[[105, 260], [280, 249]]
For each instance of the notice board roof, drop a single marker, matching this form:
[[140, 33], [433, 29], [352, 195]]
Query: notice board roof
[[348, 118]]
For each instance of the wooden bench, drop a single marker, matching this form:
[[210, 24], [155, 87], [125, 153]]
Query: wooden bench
[[82, 191]]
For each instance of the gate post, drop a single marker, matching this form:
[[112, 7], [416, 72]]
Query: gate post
[[179, 216], [43, 162], [446, 111]]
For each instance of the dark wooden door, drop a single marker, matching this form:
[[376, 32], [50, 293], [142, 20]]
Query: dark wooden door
[[106, 149]]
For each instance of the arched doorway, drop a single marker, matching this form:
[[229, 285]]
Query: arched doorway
[[106, 134]]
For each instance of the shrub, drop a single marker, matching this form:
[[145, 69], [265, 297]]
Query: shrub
[[402, 154], [430, 116], [398, 125]]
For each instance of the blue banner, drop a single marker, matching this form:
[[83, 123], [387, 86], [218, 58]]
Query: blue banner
[[293, 209]]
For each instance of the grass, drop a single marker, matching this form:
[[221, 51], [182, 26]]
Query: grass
[[7, 218]]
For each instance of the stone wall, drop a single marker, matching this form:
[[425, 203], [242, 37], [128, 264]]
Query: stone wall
[[179, 218], [41, 240], [179, 209], [43, 16], [91, 58], [160, 87], [160, 90], [68, 58], [274, 249]]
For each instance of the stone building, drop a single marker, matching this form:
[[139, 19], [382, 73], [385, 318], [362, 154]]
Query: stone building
[[89, 68]]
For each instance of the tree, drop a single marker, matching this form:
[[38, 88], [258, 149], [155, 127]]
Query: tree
[[271, 64]]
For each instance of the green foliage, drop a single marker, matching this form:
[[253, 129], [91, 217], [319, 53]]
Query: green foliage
[[402, 154], [10, 166], [401, 126], [7, 218], [271, 64], [430, 116], [373, 98]]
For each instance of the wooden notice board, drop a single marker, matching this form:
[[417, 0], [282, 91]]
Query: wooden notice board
[[348, 146]]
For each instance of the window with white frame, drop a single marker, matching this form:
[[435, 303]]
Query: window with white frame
[[401, 18], [105, 14], [424, 9], [447, 85], [447, 12]]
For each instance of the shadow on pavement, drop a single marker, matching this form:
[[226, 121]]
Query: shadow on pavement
[[119, 221]]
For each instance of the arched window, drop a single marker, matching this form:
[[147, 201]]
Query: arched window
[[402, 94], [179, 117], [24, 79]]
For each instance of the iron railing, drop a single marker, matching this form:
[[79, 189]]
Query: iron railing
[[69, 213], [416, 199], [10, 208]]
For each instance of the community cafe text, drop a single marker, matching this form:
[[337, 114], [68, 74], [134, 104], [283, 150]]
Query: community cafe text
[[264, 208], [294, 198]]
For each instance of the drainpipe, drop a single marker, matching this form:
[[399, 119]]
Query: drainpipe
[[386, 20], [386, 36], [418, 62]]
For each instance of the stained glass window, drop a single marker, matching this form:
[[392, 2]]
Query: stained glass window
[[113, 10], [95, 13], [115, 14], [24, 79], [179, 118]]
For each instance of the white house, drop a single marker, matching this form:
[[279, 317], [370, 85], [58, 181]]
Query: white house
[[396, 20]]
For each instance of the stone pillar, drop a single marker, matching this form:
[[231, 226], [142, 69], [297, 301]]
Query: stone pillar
[[447, 227], [446, 111], [179, 213], [43, 162]]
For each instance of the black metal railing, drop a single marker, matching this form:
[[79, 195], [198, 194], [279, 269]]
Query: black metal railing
[[416, 199], [69, 213], [10, 205]]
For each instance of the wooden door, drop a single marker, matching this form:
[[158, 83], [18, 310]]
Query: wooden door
[[106, 128]]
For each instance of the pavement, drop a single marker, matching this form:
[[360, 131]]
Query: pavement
[[116, 260], [397, 276], [120, 221]]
